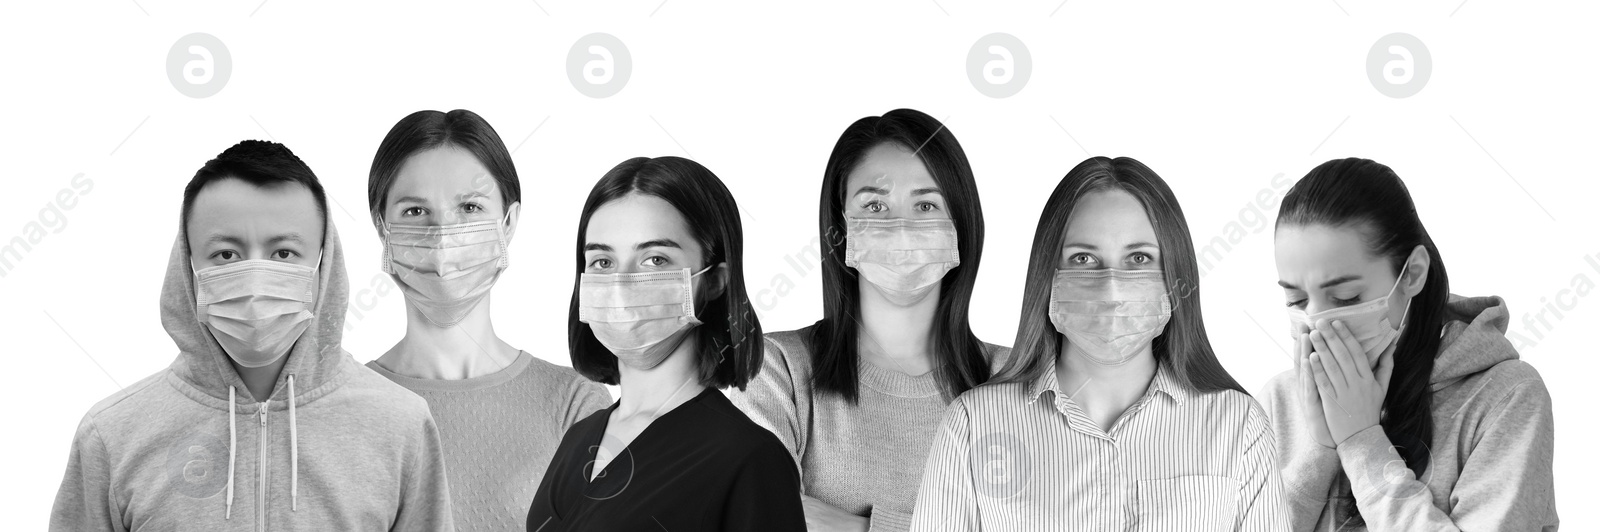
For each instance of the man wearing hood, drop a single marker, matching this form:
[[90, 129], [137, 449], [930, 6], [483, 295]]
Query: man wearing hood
[[262, 422]]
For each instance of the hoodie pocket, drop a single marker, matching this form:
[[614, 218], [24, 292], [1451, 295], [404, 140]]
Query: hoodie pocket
[[1195, 502]]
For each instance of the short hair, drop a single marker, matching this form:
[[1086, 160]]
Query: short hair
[[425, 130], [960, 359], [730, 341], [260, 163]]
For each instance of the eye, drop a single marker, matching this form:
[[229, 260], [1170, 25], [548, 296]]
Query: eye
[[600, 263], [875, 207], [927, 206], [225, 255], [1344, 302], [657, 261], [1141, 258], [284, 254], [471, 208], [1082, 259], [414, 211], [1300, 303]]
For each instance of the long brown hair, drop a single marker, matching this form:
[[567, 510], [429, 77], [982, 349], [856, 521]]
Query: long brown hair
[[958, 356], [1183, 344]]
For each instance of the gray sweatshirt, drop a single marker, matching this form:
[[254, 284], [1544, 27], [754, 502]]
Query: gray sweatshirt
[[865, 458], [1491, 454], [356, 452]]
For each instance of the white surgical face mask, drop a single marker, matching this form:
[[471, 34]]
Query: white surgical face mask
[[1368, 321], [899, 254], [256, 309], [640, 317], [445, 270], [1111, 315]]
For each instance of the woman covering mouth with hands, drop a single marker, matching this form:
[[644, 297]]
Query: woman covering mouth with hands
[[1390, 368]]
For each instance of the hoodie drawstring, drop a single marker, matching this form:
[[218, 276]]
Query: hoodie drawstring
[[294, 451], [233, 442]]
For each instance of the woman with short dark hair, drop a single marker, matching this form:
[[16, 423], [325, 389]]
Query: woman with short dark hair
[[659, 308]]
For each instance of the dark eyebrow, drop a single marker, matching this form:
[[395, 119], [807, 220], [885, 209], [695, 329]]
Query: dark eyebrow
[[1134, 245], [411, 199], [1329, 283], [658, 243], [224, 239], [1340, 280], [931, 190], [287, 237], [594, 246], [871, 189]]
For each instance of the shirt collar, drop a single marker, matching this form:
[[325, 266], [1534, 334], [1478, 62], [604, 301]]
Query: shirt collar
[[1165, 382]]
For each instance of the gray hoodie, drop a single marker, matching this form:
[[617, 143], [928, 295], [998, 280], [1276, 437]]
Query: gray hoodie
[[1491, 454], [337, 447]]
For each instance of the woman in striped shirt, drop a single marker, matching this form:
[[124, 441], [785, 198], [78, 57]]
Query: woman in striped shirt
[[1114, 413]]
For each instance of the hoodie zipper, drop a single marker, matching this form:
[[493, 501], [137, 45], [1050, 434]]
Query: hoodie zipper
[[261, 489]]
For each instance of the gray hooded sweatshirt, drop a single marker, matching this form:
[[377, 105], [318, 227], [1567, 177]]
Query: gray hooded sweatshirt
[[1491, 454], [336, 447]]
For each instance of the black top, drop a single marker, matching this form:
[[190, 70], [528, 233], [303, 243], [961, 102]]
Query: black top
[[701, 466]]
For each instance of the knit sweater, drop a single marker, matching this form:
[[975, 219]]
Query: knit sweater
[[498, 432], [866, 458]]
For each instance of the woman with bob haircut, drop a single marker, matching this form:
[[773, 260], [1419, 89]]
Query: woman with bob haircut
[[856, 396], [659, 309], [445, 199], [1392, 369], [1113, 413]]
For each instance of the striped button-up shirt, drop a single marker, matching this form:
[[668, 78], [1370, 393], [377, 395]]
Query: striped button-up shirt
[[1024, 456]]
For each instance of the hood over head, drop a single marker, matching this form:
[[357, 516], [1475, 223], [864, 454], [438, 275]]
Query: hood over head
[[314, 360]]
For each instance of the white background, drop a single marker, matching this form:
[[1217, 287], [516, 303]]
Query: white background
[[1217, 97]]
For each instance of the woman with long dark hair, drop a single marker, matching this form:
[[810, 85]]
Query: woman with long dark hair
[[1391, 368], [1113, 412], [856, 396], [659, 309], [445, 198]]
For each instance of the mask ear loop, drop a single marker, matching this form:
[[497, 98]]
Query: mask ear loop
[[1406, 314], [694, 310]]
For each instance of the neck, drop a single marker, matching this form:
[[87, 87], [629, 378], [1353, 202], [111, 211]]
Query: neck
[[259, 381], [1092, 383], [652, 392], [896, 332], [469, 349]]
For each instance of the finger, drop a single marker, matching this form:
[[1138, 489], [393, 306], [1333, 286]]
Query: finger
[[1329, 363], [1385, 368], [1360, 364], [1309, 394], [1325, 388], [1302, 374], [1341, 353]]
